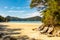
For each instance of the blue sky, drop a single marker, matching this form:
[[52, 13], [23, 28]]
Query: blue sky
[[17, 8]]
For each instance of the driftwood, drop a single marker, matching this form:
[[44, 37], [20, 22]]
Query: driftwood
[[41, 27], [50, 29], [44, 30]]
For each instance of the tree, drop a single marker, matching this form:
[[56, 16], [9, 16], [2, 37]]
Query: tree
[[2, 19], [51, 13]]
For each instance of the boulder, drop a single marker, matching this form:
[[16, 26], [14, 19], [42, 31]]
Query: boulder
[[41, 27], [58, 34], [50, 35], [44, 30], [50, 29]]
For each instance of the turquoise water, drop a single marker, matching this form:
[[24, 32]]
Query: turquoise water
[[26, 21]]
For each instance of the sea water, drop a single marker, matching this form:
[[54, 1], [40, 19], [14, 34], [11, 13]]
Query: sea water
[[25, 21]]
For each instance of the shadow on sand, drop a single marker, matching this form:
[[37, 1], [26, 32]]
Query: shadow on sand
[[3, 27], [5, 34]]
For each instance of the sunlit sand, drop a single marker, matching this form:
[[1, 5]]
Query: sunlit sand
[[27, 30]]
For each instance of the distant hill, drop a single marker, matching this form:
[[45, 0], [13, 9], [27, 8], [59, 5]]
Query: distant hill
[[36, 18]]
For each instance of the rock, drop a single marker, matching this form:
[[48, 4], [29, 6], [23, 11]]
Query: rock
[[41, 27], [44, 30], [58, 34], [50, 29], [49, 35], [34, 29]]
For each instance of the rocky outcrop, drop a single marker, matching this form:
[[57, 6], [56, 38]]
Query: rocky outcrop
[[46, 29], [41, 27], [50, 29]]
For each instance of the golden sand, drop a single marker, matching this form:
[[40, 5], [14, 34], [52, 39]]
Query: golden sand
[[27, 30]]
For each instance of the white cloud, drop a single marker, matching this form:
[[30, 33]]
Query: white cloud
[[35, 14], [15, 11], [20, 14], [15, 7], [32, 15], [5, 7], [27, 7], [11, 7], [2, 14]]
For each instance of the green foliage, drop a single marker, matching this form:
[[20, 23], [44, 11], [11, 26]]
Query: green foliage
[[2, 19], [51, 15], [34, 3]]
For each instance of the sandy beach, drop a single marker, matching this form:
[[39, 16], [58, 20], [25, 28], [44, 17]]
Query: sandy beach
[[27, 30]]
